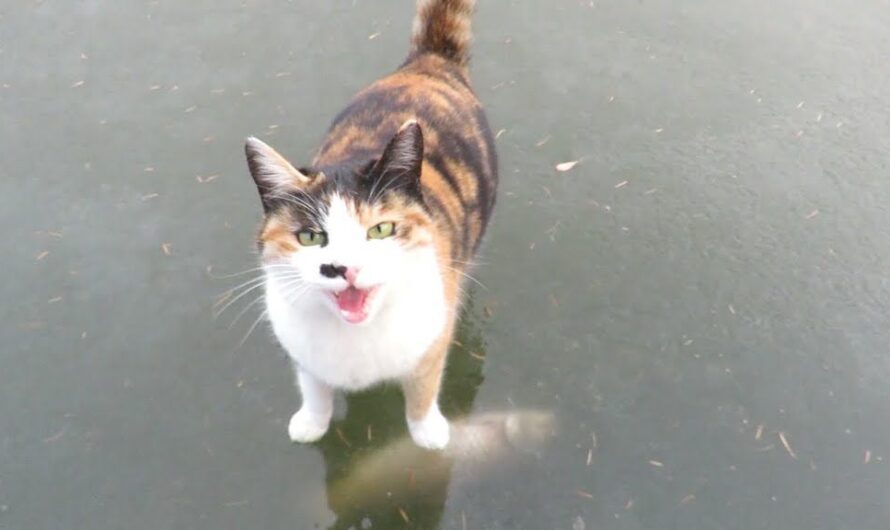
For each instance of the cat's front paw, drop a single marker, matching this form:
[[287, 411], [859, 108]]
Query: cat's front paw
[[305, 427], [431, 432]]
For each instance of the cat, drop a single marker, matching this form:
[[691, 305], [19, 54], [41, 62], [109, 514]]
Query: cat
[[364, 251]]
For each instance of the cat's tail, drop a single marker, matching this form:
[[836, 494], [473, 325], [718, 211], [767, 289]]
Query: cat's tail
[[443, 27]]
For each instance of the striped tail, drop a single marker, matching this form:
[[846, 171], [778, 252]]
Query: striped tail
[[443, 27]]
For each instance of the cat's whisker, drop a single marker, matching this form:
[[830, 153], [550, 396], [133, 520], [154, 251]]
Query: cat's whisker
[[229, 292], [473, 263], [225, 295], [253, 327], [386, 187], [469, 277], [296, 294], [235, 274], [295, 281], [308, 204], [290, 288], [290, 273], [291, 298], [246, 309], [297, 201], [221, 299], [461, 293], [371, 193], [289, 279], [271, 267], [245, 284], [248, 271], [235, 299], [374, 195]]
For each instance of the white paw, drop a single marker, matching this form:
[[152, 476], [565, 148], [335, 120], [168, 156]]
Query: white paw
[[431, 432], [305, 427]]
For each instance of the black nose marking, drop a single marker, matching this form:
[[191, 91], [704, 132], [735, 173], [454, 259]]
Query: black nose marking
[[329, 270]]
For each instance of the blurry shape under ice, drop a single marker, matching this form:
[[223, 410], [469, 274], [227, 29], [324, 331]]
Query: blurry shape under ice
[[401, 470]]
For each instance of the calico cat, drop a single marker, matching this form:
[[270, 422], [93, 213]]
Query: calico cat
[[364, 250]]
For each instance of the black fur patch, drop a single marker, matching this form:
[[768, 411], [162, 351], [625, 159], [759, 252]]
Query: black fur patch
[[397, 171]]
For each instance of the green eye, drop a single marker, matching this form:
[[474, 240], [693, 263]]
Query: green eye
[[381, 231], [308, 238]]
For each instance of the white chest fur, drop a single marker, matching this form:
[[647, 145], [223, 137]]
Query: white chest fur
[[351, 356]]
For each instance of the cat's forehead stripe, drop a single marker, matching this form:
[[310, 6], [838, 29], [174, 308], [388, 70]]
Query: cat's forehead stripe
[[341, 219]]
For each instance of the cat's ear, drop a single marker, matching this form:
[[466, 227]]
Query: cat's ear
[[399, 167], [273, 174]]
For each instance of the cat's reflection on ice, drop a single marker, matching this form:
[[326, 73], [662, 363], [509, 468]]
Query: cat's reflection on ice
[[399, 482]]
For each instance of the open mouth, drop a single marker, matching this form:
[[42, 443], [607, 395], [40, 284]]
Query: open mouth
[[353, 303]]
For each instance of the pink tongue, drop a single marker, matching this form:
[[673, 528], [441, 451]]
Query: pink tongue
[[352, 300]]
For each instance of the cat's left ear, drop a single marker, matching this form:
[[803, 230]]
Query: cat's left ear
[[399, 167], [273, 174]]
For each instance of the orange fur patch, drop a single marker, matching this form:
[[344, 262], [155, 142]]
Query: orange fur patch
[[277, 236]]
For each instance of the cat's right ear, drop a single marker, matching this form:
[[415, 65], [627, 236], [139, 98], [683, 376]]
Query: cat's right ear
[[272, 173]]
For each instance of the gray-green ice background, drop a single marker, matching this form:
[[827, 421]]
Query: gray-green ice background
[[715, 265]]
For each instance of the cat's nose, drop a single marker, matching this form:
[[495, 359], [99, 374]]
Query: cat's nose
[[351, 274], [329, 270]]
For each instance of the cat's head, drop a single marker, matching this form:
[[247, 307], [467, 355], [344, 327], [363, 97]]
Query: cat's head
[[343, 238]]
